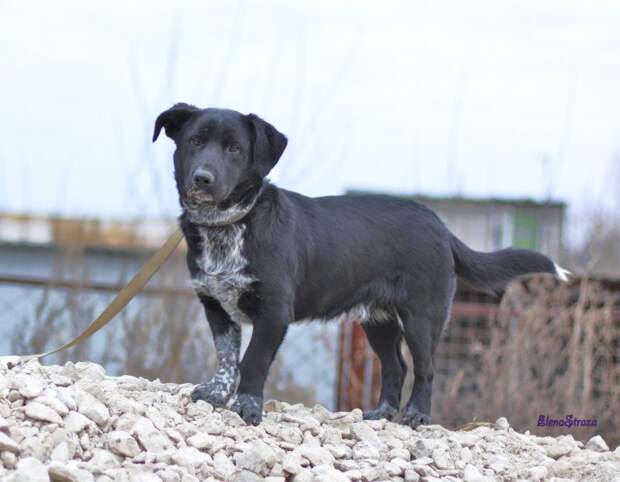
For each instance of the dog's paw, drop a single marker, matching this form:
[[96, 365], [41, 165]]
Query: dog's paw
[[249, 407], [414, 418], [384, 410], [213, 392]]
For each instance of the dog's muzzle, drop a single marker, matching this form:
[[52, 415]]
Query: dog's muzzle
[[197, 198]]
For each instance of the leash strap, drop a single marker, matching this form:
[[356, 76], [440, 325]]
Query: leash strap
[[124, 296]]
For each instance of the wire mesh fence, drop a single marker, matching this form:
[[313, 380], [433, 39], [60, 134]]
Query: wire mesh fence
[[548, 349], [462, 344]]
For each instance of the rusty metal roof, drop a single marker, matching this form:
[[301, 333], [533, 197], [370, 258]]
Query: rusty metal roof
[[65, 231]]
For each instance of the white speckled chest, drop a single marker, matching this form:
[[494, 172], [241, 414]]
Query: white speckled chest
[[221, 268]]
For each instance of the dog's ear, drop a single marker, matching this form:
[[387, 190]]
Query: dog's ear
[[173, 120], [269, 144]]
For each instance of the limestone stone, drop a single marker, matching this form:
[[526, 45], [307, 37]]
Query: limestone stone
[[8, 459], [257, 456], [62, 452], [60, 380], [190, 457], [212, 424], [167, 475], [293, 462], [537, 473], [339, 451], [316, 455], [246, 476], [30, 469], [326, 473], [41, 412], [92, 408], [4, 425], [54, 403], [59, 472], [399, 453], [76, 422], [143, 477], [472, 474], [8, 444], [122, 443], [364, 433], [104, 460], [151, 439], [28, 386], [501, 423], [201, 441], [305, 475], [65, 395], [425, 447], [365, 450], [87, 426], [223, 464], [597, 444]]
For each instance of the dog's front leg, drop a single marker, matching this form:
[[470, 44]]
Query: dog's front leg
[[227, 340], [267, 336]]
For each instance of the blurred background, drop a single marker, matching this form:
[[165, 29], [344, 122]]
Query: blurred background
[[501, 116]]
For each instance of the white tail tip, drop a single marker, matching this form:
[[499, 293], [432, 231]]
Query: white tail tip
[[562, 273]]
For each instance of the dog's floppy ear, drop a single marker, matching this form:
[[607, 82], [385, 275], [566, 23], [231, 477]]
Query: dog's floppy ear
[[173, 120], [269, 144]]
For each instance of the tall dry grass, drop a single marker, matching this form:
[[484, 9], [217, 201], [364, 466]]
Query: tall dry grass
[[163, 335], [553, 350], [156, 336]]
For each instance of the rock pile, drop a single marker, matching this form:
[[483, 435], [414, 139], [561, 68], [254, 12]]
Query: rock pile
[[75, 424]]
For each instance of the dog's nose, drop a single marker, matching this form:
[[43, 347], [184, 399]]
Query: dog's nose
[[203, 179]]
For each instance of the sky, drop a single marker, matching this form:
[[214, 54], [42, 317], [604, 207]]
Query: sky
[[480, 98]]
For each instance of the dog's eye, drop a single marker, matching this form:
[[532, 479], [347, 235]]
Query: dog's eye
[[234, 147], [196, 141]]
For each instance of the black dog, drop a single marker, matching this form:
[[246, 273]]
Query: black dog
[[269, 256]]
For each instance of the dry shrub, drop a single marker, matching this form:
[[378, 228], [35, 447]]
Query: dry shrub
[[157, 336], [553, 350]]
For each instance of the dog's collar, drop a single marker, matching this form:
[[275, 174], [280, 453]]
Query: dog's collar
[[221, 217]]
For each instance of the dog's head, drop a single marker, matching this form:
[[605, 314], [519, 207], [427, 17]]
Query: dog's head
[[221, 157]]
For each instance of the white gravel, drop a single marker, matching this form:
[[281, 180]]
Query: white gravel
[[75, 424]]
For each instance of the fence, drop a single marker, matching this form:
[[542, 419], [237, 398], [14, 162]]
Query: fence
[[546, 350], [465, 337], [161, 334]]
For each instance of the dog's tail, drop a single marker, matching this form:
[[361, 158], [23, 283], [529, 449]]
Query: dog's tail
[[491, 272]]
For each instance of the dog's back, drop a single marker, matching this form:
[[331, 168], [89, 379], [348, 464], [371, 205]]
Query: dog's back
[[363, 249]]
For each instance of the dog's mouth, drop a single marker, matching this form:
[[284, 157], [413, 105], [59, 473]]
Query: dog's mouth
[[197, 199], [205, 208]]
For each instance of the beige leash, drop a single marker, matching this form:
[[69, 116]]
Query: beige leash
[[124, 296]]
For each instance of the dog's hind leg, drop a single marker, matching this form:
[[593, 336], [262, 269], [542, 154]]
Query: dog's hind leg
[[423, 323], [227, 339], [385, 338]]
